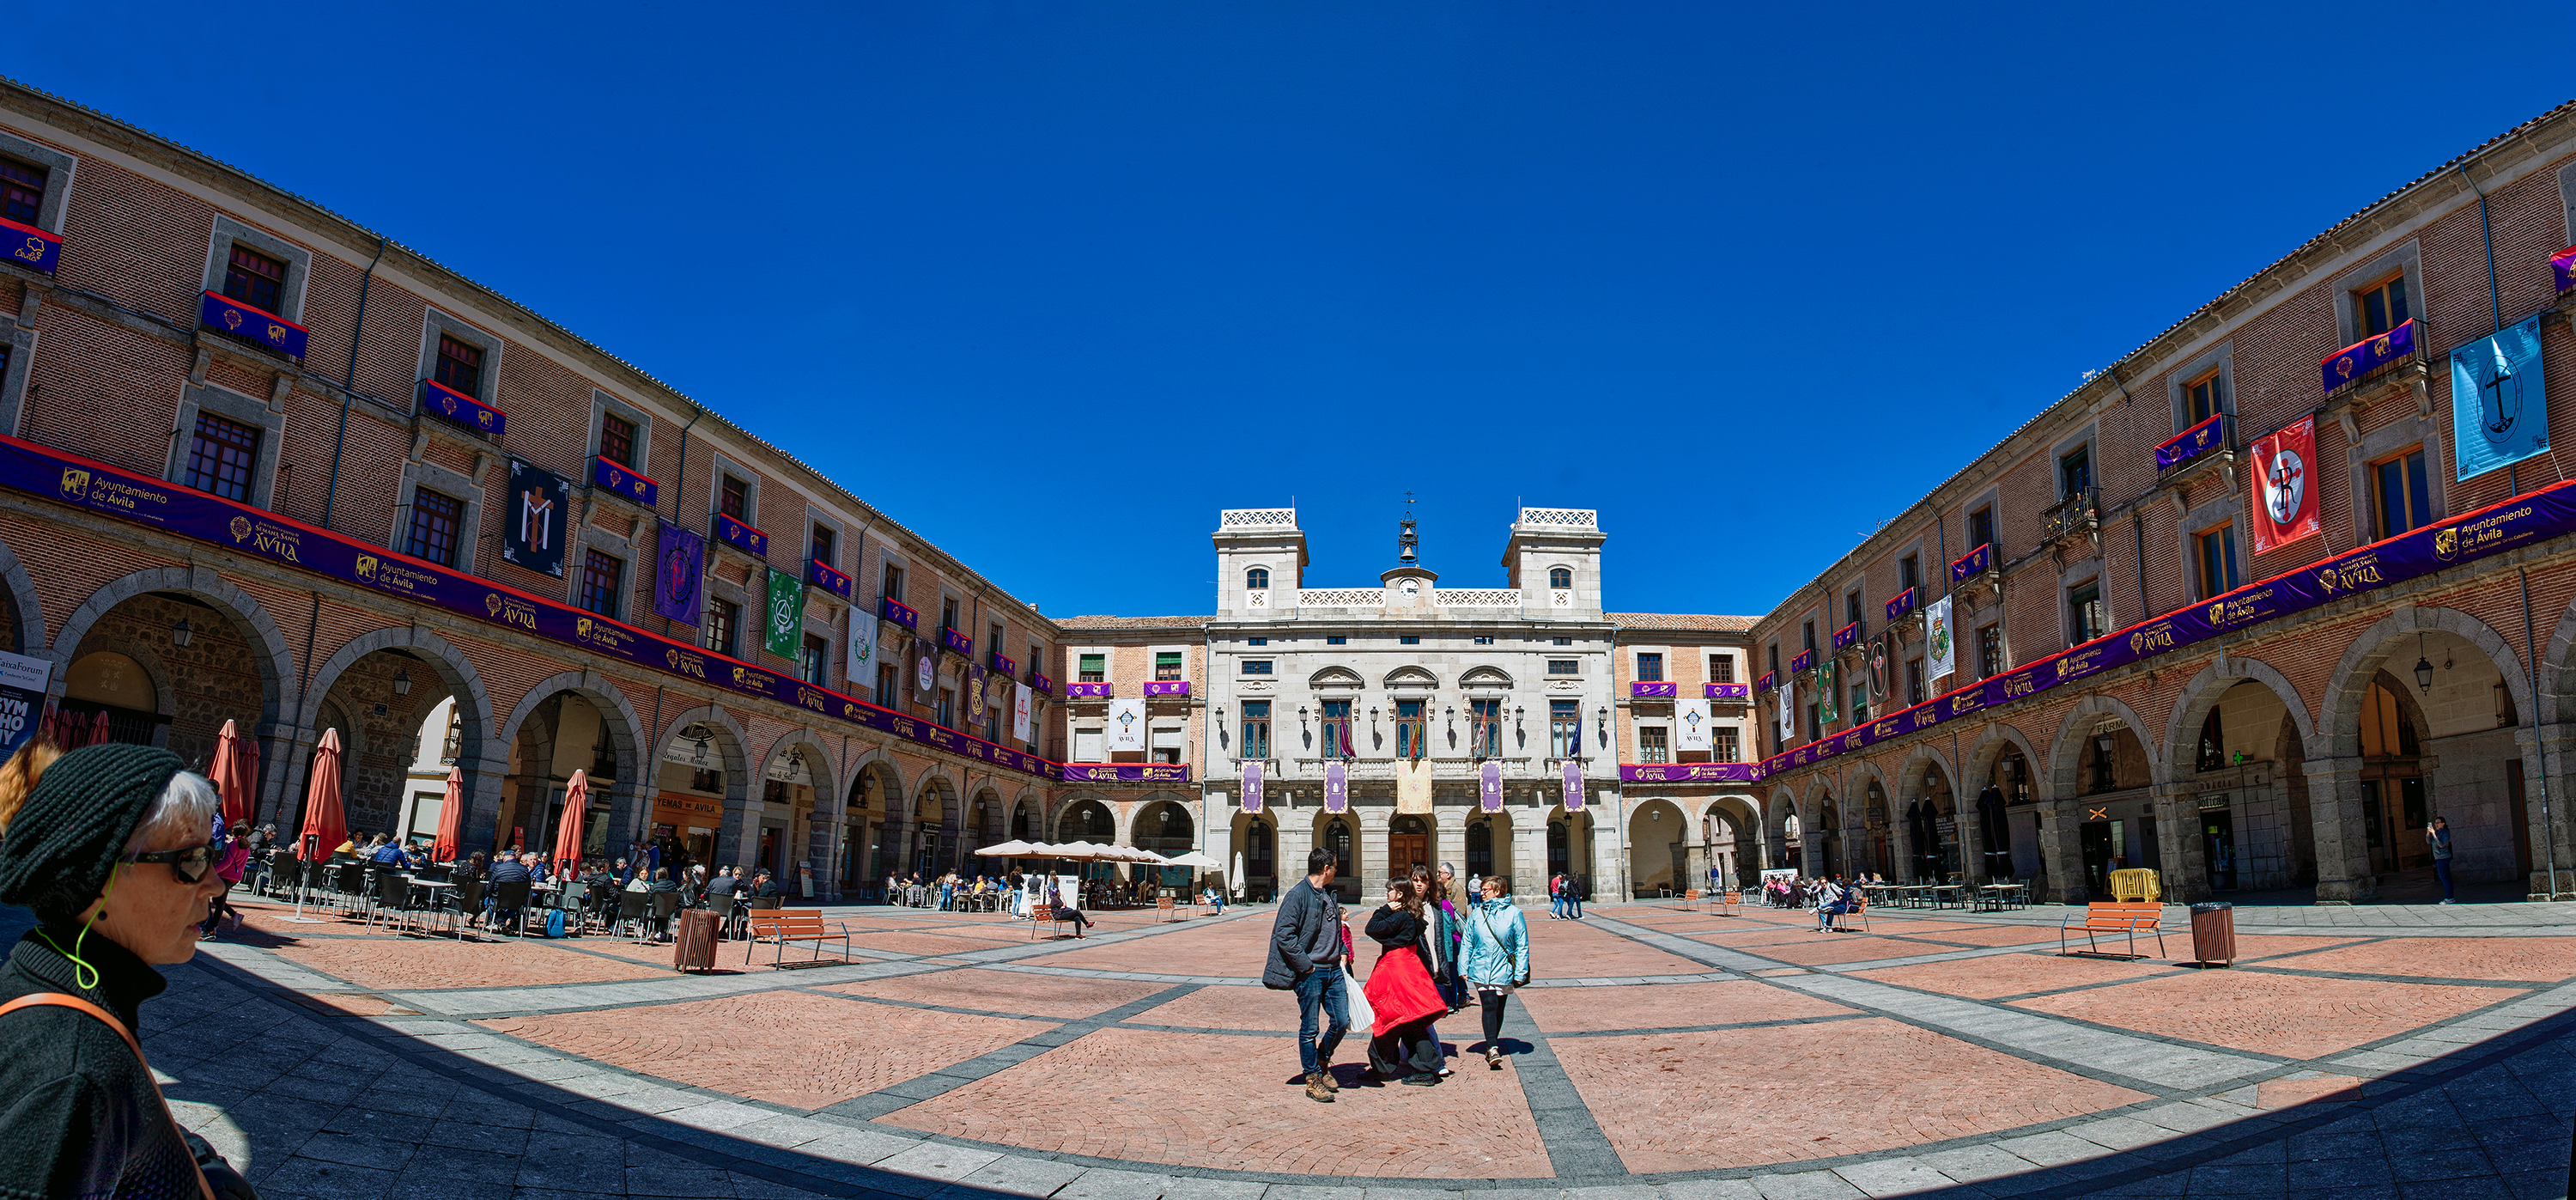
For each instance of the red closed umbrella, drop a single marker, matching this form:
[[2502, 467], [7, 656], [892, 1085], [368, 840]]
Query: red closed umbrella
[[225, 772], [325, 821], [451, 818], [246, 769], [568, 831], [98, 730]]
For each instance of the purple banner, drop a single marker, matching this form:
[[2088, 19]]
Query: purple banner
[[36, 249], [1643, 689], [1690, 773], [1902, 604], [618, 478], [2367, 355], [679, 576], [1040, 683], [1126, 773], [2192, 443], [1167, 687], [265, 536], [1845, 636], [901, 614], [1573, 786], [735, 533], [1974, 562], [266, 330], [1086, 691], [1489, 787], [1770, 682], [1735, 692], [2562, 268], [821, 575], [1002, 665], [957, 643], [439, 400], [1337, 788], [1804, 660], [2521, 521], [1252, 785]]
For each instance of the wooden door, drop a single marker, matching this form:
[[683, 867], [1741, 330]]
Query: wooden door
[[1405, 851]]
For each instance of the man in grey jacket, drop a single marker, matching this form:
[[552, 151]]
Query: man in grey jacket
[[1306, 958]]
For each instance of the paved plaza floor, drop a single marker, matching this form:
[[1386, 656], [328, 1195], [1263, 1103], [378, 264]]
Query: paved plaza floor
[[2375, 1050]]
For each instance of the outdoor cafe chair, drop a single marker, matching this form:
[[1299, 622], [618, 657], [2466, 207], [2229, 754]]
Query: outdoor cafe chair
[[725, 908], [512, 898], [570, 901], [664, 904], [465, 902], [392, 899], [348, 886]]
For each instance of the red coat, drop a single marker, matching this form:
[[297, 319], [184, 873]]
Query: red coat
[[1400, 991]]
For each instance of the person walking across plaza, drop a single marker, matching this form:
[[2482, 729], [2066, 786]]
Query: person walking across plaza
[[2438, 836], [80, 1114], [1399, 990], [1573, 896], [1305, 957], [1556, 897], [1495, 960]]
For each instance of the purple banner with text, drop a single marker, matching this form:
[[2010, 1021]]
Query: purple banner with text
[[1690, 773], [1126, 773]]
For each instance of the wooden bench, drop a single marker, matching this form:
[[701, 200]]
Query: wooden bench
[[2129, 919], [784, 925]]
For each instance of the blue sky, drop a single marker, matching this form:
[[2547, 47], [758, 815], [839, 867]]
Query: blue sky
[[1054, 282]]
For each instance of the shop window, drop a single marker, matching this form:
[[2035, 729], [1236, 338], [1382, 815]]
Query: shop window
[[1650, 668], [459, 367], [616, 438], [435, 518], [2380, 307], [2405, 502], [255, 279], [222, 457], [602, 582]]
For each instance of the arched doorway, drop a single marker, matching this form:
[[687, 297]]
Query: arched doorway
[[1334, 833], [1871, 855], [1932, 828], [2250, 825], [702, 776], [1828, 839], [1658, 849], [1165, 828], [1256, 848], [786, 812], [563, 733], [1569, 846], [1408, 845], [2115, 823]]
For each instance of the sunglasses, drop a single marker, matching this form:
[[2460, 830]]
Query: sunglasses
[[188, 865]]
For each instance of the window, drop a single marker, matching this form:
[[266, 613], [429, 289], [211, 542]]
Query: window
[[2084, 617], [1256, 641], [2200, 398], [1909, 572], [1650, 668], [948, 613], [1564, 725], [435, 517], [706, 779], [254, 279], [1721, 668], [617, 439], [1729, 744], [1990, 651], [810, 660], [1094, 669], [2075, 472], [1914, 681], [2404, 501], [221, 457], [1851, 608], [2217, 561], [1412, 737], [1981, 528], [1564, 666], [602, 581], [1256, 729], [22, 192], [1775, 658], [1256, 666], [2380, 307], [1808, 631], [1559, 577], [1485, 728], [734, 500], [1337, 729], [1337, 641], [1482, 641], [1167, 666], [823, 538], [1257, 578], [1815, 721], [993, 637], [1408, 640], [885, 685], [1563, 641], [1087, 745], [460, 365], [1859, 704], [945, 712], [724, 620], [892, 587], [1653, 744], [993, 725]]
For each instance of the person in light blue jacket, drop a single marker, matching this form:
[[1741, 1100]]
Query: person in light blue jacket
[[1495, 961]]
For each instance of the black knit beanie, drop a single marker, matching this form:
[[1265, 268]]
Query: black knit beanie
[[59, 850]]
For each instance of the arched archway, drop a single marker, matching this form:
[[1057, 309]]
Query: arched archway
[[702, 773], [2239, 748], [2102, 760], [1255, 844], [1340, 834], [437, 714], [1166, 828], [1658, 856], [1731, 828]]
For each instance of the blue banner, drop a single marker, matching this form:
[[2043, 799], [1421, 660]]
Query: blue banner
[[440, 400], [2367, 355], [1974, 562], [539, 517], [680, 577], [2499, 415], [32, 247], [23, 683], [821, 575], [617, 477], [740, 536], [264, 329]]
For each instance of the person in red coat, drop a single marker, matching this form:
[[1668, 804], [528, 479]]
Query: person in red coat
[[1401, 993]]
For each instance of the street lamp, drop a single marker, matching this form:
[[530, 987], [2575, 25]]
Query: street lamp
[[2423, 665], [402, 681], [181, 632]]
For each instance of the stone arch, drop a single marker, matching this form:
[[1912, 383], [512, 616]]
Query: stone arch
[[1411, 675], [730, 753], [1655, 824], [626, 737], [1073, 811], [2202, 695], [1990, 747], [2339, 717], [1485, 676], [20, 590], [2065, 752], [1334, 677], [1744, 815], [475, 743], [165, 694], [818, 761]]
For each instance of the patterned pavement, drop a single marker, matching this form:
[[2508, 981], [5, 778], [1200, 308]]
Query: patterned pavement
[[2383, 1050]]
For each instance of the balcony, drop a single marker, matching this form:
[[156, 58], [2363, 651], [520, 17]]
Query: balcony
[[1002, 664], [1041, 684], [1727, 693], [30, 247], [1653, 689], [735, 532], [260, 328], [2078, 515], [446, 403], [2373, 358], [624, 482], [956, 643], [898, 612], [1168, 687], [2211, 443], [821, 575], [1848, 636], [1087, 691]]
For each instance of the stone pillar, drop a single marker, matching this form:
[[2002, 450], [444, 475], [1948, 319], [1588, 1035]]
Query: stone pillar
[[1610, 855], [1693, 866], [2182, 872], [1296, 841], [1529, 850], [1368, 847], [1972, 841], [1449, 838], [2061, 852], [2343, 843], [2553, 828], [483, 780]]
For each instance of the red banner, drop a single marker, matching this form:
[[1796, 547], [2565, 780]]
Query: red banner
[[2285, 494]]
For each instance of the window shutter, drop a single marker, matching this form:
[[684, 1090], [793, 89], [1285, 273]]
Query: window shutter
[[1087, 746]]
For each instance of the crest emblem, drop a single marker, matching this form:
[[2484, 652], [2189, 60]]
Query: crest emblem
[[2343, 367], [672, 657], [366, 566], [581, 628], [76, 481], [492, 603], [2446, 543], [2499, 401], [240, 529], [232, 319], [2285, 486]]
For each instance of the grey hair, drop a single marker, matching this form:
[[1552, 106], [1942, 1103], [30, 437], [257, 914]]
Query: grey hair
[[185, 808]]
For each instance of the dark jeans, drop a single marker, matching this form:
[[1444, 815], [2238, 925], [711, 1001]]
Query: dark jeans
[[1325, 987], [1494, 1002], [2442, 871], [1407, 1049], [1074, 915], [1574, 906]]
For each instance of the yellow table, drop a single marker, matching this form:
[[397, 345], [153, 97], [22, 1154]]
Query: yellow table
[[2136, 883]]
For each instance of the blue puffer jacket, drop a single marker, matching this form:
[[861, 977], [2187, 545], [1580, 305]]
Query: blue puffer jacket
[[1497, 937]]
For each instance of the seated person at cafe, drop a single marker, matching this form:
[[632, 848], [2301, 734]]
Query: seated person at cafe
[[386, 852], [1215, 896], [662, 883], [764, 886], [1064, 912], [506, 869], [726, 883]]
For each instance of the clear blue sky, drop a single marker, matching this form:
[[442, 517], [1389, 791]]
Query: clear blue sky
[[1054, 282]]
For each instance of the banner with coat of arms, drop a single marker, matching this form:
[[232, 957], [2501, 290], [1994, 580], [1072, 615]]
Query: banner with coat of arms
[[1692, 717], [1788, 709], [1940, 648], [1126, 726], [679, 581], [1825, 712], [2285, 498], [861, 669], [786, 619], [1020, 712]]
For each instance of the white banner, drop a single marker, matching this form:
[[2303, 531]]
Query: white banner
[[1692, 716], [1020, 712], [861, 671], [1788, 710], [1940, 649], [1126, 726]]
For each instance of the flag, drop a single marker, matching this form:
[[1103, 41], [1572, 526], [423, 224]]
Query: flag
[[1020, 712], [2498, 414], [2285, 498], [677, 584], [925, 668], [1692, 716], [1788, 710], [1878, 668], [1345, 726], [1939, 648], [1126, 726], [861, 670], [1825, 714], [533, 535], [786, 613]]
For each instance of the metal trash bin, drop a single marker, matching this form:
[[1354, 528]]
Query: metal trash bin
[[2213, 932]]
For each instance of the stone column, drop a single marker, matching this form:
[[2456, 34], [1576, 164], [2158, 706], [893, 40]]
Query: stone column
[[1529, 849], [1695, 856], [2343, 842], [2061, 851], [1296, 840], [2184, 876], [1368, 846], [2558, 753], [1610, 855], [1972, 840], [1449, 838]]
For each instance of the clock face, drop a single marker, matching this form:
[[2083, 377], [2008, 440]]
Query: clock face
[[1409, 588]]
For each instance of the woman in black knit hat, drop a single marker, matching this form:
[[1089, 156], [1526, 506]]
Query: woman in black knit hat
[[111, 845]]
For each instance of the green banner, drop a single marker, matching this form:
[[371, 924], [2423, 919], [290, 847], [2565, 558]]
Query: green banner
[[1825, 693], [786, 613]]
